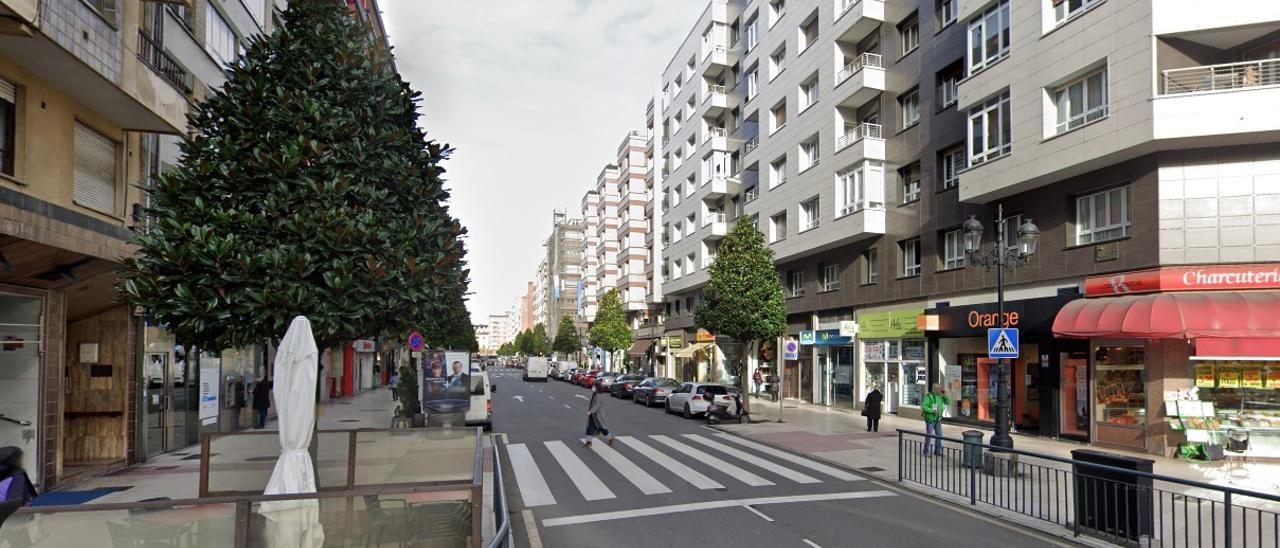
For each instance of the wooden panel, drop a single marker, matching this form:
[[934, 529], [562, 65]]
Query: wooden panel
[[94, 411], [94, 439]]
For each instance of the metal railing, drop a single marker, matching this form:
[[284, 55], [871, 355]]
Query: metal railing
[[712, 90], [862, 60], [714, 132], [1116, 504], [752, 193], [750, 145], [1226, 76], [154, 56], [501, 519], [848, 5], [854, 133]]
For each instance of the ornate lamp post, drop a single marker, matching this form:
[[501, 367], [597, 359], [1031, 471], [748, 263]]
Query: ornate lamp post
[[1002, 256]]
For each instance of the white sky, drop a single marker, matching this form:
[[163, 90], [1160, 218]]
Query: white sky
[[535, 95]]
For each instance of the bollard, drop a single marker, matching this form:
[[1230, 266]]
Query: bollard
[[972, 448]]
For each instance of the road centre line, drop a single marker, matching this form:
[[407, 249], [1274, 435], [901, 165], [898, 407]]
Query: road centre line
[[810, 543], [708, 505]]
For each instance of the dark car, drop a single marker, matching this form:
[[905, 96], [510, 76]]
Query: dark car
[[623, 385], [654, 390]]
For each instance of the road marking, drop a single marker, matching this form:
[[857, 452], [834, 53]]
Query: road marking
[[637, 476], [714, 462], [810, 543], [550, 396], [795, 459], [748, 457], [531, 529], [521, 398], [566, 406], [758, 513], [674, 466], [533, 487], [587, 483], [581, 396], [709, 505]]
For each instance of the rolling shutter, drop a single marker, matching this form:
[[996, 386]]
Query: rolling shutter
[[95, 177], [8, 92]]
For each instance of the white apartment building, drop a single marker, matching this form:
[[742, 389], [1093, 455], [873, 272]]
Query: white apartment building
[[589, 283]]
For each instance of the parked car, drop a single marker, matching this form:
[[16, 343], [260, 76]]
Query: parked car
[[586, 377], [624, 384], [691, 398], [566, 373], [481, 411], [654, 390], [604, 380]]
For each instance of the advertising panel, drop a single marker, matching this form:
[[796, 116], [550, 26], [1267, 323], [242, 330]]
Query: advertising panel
[[445, 382]]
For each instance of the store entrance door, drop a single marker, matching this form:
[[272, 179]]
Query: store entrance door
[[893, 388], [21, 324]]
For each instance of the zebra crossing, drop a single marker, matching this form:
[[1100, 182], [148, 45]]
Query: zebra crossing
[[655, 464]]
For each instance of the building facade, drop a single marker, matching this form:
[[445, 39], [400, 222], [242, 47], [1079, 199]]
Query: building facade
[[562, 273]]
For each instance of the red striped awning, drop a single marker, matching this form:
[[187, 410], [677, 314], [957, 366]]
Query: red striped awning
[[1190, 315]]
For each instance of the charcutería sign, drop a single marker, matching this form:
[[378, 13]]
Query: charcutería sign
[[1185, 278]]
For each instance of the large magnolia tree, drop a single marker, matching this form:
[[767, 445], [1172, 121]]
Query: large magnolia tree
[[610, 331], [305, 188]]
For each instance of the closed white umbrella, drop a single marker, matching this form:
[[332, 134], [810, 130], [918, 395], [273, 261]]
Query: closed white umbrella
[[296, 523]]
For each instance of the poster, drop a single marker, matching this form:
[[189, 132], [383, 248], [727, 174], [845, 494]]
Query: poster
[[209, 389], [446, 382], [1252, 376], [1204, 375], [1229, 376]]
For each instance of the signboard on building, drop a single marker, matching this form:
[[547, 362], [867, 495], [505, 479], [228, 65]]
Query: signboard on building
[[1032, 316], [1185, 278], [790, 349], [210, 387], [704, 336], [830, 337], [364, 345], [848, 329], [673, 343], [892, 324], [806, 337]]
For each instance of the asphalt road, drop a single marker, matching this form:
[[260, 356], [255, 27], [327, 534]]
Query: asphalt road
[[668, 481]]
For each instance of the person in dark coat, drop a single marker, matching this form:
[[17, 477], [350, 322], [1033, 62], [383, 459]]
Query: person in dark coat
[[595, 418], [261, 402], [871, 409]]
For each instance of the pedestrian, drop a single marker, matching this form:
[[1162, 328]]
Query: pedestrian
[[15, 485], [871, 409], [261, 401], [595, 419], [758, 379], [394, 382], [932, 406]]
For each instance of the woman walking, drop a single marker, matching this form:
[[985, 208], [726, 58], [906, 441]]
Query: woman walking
[[595, 419], [261, 402], [871, 409]]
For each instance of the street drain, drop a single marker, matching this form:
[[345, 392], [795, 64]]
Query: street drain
[[871, 469], [260, 459], [349, 420]]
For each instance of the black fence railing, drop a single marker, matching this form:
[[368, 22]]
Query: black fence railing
[[165, 65], [1116, 504]]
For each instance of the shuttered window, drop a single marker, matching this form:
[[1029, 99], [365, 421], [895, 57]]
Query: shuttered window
[[8, 119], [95, 170]]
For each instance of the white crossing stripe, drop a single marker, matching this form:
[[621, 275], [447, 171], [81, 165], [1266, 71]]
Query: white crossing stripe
[[587, 483], [709, 505], [533, 488], [674, 466], [721, 465], [748, 457], [637, 476], [795, 459]]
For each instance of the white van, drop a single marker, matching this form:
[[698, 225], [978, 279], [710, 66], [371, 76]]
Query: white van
[[536, 369], [481, 411]]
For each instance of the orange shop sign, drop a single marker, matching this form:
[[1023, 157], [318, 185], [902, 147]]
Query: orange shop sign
[[1185, 278]]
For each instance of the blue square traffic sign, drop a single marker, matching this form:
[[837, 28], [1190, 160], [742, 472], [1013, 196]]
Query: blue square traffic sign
[[1002, 342]]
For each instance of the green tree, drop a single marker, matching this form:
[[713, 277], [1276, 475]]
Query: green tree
[[522, 342], [537, 341], [567, 341], [407, 393], [451, 328], [610, 330], [305, 188], [506, 349], [743, 298]]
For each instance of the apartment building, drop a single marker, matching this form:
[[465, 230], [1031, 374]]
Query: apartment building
[[561, 273], [528, 308], [589, 282], [861, 135]]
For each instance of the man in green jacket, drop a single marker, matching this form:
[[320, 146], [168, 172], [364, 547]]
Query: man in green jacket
[[933, 405]]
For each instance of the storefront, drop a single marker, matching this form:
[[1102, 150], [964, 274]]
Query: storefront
[[831, 372], [958, 334], [892, 354], [1183, 355]]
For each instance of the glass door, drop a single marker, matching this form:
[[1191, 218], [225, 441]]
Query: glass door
[[806, 375], [893, 386], [21, 325]]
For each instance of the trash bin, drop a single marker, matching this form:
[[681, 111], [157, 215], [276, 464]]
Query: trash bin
[[972, 448], [1113, 502]]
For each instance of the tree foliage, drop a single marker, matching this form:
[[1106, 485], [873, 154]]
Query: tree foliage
[[507, 349], [537, 341], [610, 330], [567, 339], [521, 343], [305, 188]]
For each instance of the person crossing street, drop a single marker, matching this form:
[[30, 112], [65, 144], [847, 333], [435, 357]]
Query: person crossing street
[[595, 419]]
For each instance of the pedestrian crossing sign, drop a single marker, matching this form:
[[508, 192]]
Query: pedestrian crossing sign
[[1002, 342]]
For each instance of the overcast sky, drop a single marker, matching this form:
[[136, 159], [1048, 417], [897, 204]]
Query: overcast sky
[[535, 95]]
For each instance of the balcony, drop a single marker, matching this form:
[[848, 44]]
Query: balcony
[[154, 56], [750, 145], [1235, 100], [717, 100], [860, 80], [717, 60], [867, 140], [857, 18], [719, 228], [719, 186]]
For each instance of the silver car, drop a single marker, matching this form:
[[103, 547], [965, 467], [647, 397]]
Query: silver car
[[693, 398], [654, 390]]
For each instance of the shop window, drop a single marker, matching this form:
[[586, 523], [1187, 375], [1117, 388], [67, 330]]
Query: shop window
[[1240, 405], [1119, 389]]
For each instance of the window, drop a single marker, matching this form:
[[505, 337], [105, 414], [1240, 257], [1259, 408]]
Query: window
[[852, 190], [753, 82], [809, 92], [808, 32], [753, 33], [1066, 9], [676, 270], [778, 172], [778, 116], [777, 227], [777, 8], [989, 37], [909, 106], [689, 267], [910, 182], [690, 185], [870, 266], [95, 170], [1081, 101], [258, 9], [990, 131], [690, 224], [910, 250], [948, 80], [795, 283], [1011, 224], [830, 276], [219, 39], [946, 12], [953, 249], [809, 215], [8, 126], [1103, 216], [809, 153], [106, 8], [909, 35], [777, 61], [950, 162]]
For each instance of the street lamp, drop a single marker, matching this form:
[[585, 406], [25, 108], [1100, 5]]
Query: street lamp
[[1001, 257]]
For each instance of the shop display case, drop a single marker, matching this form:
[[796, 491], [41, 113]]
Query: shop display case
[[1119, 387]]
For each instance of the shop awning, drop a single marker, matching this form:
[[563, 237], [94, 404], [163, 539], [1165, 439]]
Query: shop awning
[[1225, 314], [640, 347], [689, 351]]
